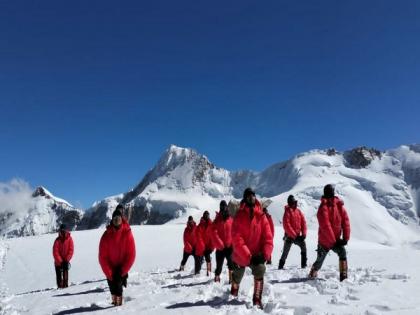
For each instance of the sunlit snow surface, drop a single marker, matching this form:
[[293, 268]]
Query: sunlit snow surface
[[382, 280]]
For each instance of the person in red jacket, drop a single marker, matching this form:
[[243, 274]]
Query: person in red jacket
[[63, 249], [333, 232], [252, 243], [190, 240], [204, 241], [222, 240], [294, 225], [117, 252], [270, 221]]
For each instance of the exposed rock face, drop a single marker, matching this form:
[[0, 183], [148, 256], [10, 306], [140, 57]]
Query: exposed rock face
[[361, 157]]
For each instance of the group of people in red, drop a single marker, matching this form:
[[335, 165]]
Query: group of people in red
[[246, 240], [117, 252]]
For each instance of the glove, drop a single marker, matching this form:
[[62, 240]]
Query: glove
[[341, 242], [257, 259], [300, 238], [124, 280], [288, 239]]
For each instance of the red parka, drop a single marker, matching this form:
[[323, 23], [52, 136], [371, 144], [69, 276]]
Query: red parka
[[204, 237], [251, 236], [190, 238], [294, 222], [333, 221], [63, 249], [222, 232], [117, 249]]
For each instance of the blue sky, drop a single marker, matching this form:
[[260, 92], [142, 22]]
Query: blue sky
[[92, 93]]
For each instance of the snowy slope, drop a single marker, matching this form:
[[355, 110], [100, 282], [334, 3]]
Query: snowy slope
[[382, 280], [380, 189], [25, 213]]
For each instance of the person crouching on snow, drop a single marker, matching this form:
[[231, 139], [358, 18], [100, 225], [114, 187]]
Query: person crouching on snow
[[294, 225], [222, 240], [333, 222], [117, 252], [63, 249], [252, 242], [190, 241]]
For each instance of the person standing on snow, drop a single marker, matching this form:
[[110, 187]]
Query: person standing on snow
[[270, 221], [63, 249], [252, 242], [333, 223], [222, 240], [190, 240], [204, 241], [117, 252], [294, 225]]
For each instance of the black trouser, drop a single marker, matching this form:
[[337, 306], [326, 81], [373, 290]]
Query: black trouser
[[220, 257], [117, 283], [116, 287], [207, 258], [62, 275], [288, 244], [322, 254], [197, 261]]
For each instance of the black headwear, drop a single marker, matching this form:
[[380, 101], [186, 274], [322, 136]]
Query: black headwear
[[248, 192], [291, 201], [116, 213], [329, 191]]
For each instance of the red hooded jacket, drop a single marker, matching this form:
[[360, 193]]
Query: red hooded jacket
[[251, 236], [117, 249], [222, 232], [190, 238], [63, 249], [294, 222], [204, 238], [333, 220]]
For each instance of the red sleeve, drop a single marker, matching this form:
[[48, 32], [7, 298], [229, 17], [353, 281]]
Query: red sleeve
[[228, 233], [345, 221], [103, 257], [187, 244], [130, 254], [56, 253], [325, 227], [70, 249], [241, 252], [288, 229], [267, 239], [303, 224], [216, 240], [200, 244]]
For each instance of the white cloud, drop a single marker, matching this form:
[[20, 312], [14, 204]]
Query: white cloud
[[15, 196]]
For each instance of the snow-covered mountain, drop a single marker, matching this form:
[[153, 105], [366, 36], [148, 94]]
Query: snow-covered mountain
[[380, 189], [41, 213]]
